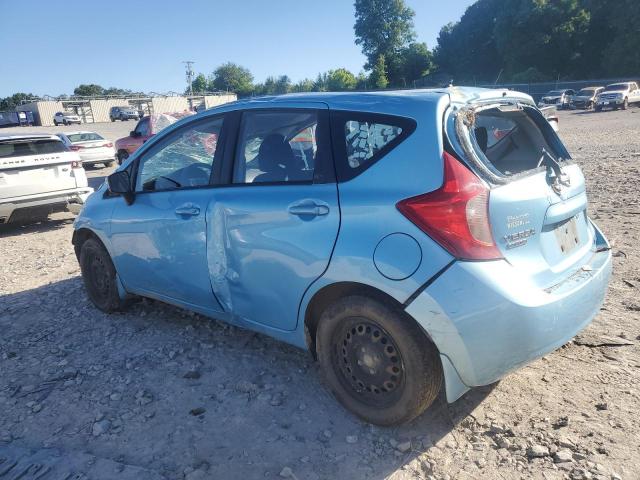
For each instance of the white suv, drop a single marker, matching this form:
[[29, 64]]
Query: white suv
[[618, 95], [39, 175], [66, 118]]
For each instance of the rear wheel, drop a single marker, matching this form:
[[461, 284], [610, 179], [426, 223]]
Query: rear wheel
[[377, 362], [99, 276]]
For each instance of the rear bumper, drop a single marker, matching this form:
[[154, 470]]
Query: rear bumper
[[71, 200], [488, 320]]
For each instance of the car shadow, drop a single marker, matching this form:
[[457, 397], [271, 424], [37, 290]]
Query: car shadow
[[39, 226], [192, 392]]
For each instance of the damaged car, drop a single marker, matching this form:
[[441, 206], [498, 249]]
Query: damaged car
[[412, 241]]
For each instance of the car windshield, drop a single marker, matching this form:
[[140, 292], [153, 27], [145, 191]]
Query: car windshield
[[616, 87], [84, 137], [69, 114], [586, 92]]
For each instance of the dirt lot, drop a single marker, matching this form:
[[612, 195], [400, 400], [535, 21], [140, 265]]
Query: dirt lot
[[157, 392]]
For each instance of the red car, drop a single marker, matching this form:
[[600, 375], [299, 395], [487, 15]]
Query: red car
[[146, 128]]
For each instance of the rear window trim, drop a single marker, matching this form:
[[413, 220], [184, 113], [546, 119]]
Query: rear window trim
[[484, 168], [339, 118]]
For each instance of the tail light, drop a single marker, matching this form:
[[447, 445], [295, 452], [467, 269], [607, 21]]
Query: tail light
[[456, 215], [108, 145], [76, 164], [75, 148]]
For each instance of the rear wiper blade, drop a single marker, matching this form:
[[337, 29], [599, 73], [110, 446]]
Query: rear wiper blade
[[553, 166]]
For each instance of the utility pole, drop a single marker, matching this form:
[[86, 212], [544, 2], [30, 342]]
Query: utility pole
[[189, 70]]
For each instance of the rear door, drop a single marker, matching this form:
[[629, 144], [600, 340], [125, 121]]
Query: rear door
[[538, 202], [31, 166], [273, 226]]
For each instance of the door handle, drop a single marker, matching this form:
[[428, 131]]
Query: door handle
[[308, 208], [188, 209]]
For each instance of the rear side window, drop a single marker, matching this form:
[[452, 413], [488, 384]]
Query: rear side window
[[361, 139], [21, 148]]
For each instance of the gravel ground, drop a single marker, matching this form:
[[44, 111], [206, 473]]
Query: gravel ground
[[165, 393]]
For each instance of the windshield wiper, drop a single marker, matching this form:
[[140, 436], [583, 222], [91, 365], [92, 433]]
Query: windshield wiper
[[553, 166]]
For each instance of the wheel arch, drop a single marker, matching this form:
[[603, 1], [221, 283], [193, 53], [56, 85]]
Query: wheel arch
[[80, 236], [333, 292]]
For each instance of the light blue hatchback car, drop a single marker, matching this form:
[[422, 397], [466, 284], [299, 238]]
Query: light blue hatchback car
[[407, 239]]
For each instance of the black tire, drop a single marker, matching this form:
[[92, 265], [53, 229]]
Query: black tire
[[99, 276], [377, 362], [113, 119], [55, 123], [625, 104], [598, 108]]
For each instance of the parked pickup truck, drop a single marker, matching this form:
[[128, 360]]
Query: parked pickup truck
[[38, 176], [618, 95]]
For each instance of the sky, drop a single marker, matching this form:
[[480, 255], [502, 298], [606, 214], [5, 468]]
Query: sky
[[49, 48]]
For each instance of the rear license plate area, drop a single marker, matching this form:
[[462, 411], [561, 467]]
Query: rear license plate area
[[567, 235]]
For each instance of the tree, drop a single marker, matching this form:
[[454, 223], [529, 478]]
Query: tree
[[274, 86], [305, 85], [88, 90], [116, 91], [199, 84], [234, 78], [467, 49], [383, 27], [416, 62], [340, 79], [362, 81], [622, 55], [11, 102], [378, 77]]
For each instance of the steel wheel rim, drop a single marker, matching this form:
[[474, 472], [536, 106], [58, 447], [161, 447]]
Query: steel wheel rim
[[368, 362]]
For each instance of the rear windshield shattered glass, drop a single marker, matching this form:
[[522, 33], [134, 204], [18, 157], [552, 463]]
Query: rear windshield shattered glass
[[512, 140]]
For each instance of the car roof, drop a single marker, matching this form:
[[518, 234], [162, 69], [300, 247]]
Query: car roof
[[34, 136], [366, 100]]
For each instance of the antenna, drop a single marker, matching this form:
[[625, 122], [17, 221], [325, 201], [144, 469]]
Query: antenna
[[188, 64]]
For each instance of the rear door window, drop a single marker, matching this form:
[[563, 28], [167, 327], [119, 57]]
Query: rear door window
[[361, 139], [282, 146]]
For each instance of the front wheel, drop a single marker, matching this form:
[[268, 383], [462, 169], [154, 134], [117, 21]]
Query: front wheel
[[99, 276], [625, 104], [598, 108], [377, 361]]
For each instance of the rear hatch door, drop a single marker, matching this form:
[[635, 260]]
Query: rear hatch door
[[31, 166], [538, 203]]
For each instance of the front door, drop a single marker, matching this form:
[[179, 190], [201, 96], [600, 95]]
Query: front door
[[272, 229], [159, 242]]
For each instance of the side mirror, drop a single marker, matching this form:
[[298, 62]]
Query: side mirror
[[120, 182], [134, 134]]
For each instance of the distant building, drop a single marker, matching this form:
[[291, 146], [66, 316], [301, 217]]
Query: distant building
[[96, 109]]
